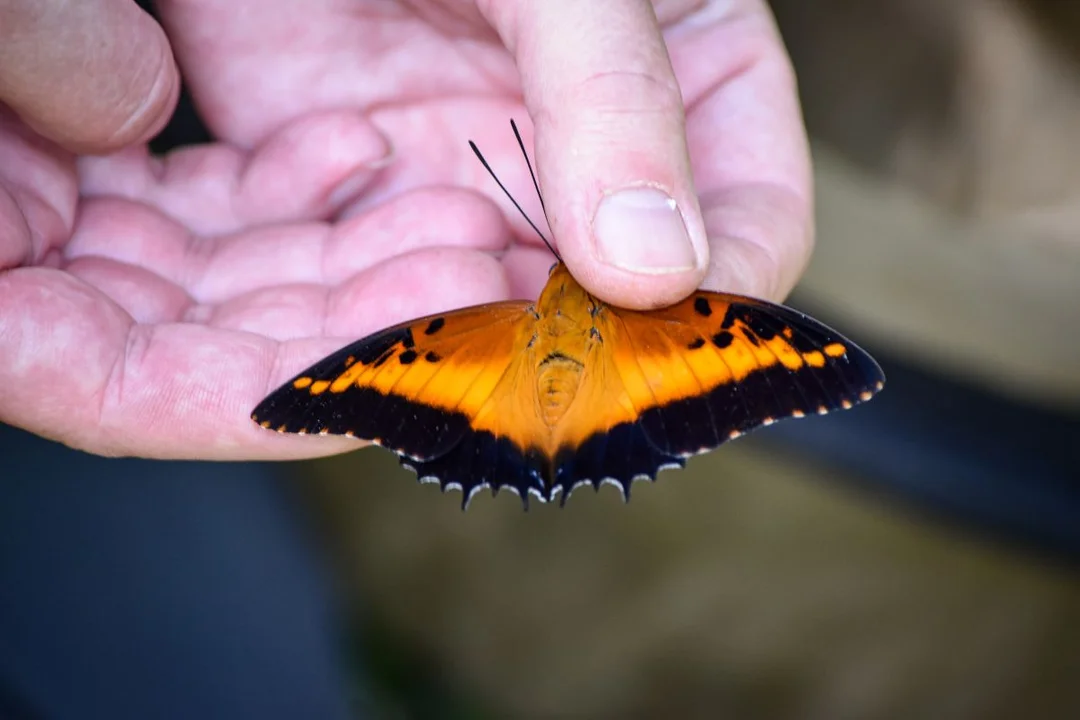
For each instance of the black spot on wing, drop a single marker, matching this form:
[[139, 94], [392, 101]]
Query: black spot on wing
[[702, 307], [729, 318], [723, 339], [381, 360], [432, 356], [434, 326], [408, 357], [696, 344]]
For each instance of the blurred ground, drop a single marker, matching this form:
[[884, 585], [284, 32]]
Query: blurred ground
[[747, 586], [764, 584]]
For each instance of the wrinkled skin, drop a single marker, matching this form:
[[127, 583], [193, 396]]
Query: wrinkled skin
[[147, 304]]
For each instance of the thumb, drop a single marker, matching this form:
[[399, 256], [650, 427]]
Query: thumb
[[91, 75], [610, 145]]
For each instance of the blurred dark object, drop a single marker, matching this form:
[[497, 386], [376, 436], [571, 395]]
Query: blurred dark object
[[139, 589], [185, 128]]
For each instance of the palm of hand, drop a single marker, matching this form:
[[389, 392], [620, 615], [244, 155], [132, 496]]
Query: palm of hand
[[159, 301]]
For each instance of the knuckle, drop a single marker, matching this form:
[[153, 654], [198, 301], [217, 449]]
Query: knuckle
[[619, 92]]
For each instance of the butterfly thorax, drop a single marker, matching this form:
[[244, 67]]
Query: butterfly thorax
[[565, 335]]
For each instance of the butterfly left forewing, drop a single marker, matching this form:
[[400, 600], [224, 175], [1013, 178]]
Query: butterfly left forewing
[[415, 388]]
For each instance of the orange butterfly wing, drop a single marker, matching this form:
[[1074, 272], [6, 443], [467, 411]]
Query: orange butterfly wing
[[460, 397], [682, 380], [415, 388]]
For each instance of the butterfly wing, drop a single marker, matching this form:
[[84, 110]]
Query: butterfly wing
[[682, 380], [416, 388], [454, 395], [502, 447]]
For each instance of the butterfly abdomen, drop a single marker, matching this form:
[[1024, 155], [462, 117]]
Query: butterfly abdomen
[[557, 383]]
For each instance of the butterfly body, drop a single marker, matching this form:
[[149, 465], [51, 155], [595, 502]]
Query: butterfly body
[[542, 397]]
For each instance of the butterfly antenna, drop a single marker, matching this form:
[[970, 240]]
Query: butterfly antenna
[[525, 154], [487, 166]]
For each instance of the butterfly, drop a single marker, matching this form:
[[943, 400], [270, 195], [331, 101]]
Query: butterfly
[[543, 397]]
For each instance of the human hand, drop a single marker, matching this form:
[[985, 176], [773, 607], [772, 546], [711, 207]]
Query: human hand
[[595, 79], [146, 319], [146, 341]]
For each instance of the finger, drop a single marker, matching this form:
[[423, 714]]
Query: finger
[[212, 270], [38, 192], [749, 148], [92, 75], [401, 289], [307, 170], [329, 254], [145, 296], [75, 367], [610, 145]]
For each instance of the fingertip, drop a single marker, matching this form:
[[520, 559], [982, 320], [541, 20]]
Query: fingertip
[[156, 109], [640, 248], [92, 77], [642, 230], [135, 100], [641, 252]]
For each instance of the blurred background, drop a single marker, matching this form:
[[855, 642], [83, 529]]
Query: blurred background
[[914, 557]]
